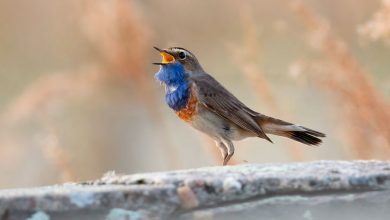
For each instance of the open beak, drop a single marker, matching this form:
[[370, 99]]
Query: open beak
[[166, 57]]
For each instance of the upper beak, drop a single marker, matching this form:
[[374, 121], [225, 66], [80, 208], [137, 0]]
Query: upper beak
[[167, 57], [158, 49]]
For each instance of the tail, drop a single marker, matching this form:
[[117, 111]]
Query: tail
[[298, 133]]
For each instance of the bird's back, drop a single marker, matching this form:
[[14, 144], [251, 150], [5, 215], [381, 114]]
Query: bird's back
[[215, 98]]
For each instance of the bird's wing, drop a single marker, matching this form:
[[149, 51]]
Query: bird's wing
[[217, 99]]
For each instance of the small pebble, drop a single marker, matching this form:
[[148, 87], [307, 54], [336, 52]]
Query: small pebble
[[187, 197], [231, 184]]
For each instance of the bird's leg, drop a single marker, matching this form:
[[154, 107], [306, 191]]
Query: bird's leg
[[223, 149], [230, 151]]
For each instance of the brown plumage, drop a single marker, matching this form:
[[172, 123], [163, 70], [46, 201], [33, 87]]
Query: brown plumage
[[217, 112], [220, 101]]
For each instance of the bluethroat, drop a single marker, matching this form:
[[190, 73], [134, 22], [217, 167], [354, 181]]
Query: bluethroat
[[200, 100]]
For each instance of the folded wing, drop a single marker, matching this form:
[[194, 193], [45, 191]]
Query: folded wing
[[217, 99]]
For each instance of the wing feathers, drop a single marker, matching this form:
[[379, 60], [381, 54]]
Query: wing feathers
[[220, 101]]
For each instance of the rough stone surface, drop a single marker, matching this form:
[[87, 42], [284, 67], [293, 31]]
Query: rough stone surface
[[315, 190]]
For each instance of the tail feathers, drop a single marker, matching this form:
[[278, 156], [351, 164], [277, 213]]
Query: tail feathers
[[298, 133], [303, 137]]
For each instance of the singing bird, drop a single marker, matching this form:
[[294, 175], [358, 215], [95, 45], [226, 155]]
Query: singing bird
[[200, 100]]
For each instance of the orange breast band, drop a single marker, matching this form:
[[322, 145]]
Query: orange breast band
[[189, 110]]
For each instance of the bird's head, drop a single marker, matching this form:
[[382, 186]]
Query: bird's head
[[178, 55]]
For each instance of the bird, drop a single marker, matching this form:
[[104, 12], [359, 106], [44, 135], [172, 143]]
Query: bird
[[200, 100]]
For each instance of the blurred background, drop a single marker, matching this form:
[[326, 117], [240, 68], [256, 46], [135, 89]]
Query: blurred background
[[78, 96]]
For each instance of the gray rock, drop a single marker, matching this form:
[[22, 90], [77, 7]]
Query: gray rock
[[315, 190]]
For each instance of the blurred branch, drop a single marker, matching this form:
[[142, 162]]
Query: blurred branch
[[365, 113], [47, 93], [55, 153], [246, 57], [123, 39], [378, 27], [44, 98]]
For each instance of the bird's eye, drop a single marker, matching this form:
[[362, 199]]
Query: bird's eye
[[182, 55]]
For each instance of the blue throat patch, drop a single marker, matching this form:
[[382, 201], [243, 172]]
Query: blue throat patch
[[174, 77]]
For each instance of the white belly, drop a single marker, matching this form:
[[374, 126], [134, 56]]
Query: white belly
[[217, 127]]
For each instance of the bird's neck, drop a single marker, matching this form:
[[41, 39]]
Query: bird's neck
[[174, 77], [177, 96]]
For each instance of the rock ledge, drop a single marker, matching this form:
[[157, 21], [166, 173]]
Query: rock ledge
[[314, 190]]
